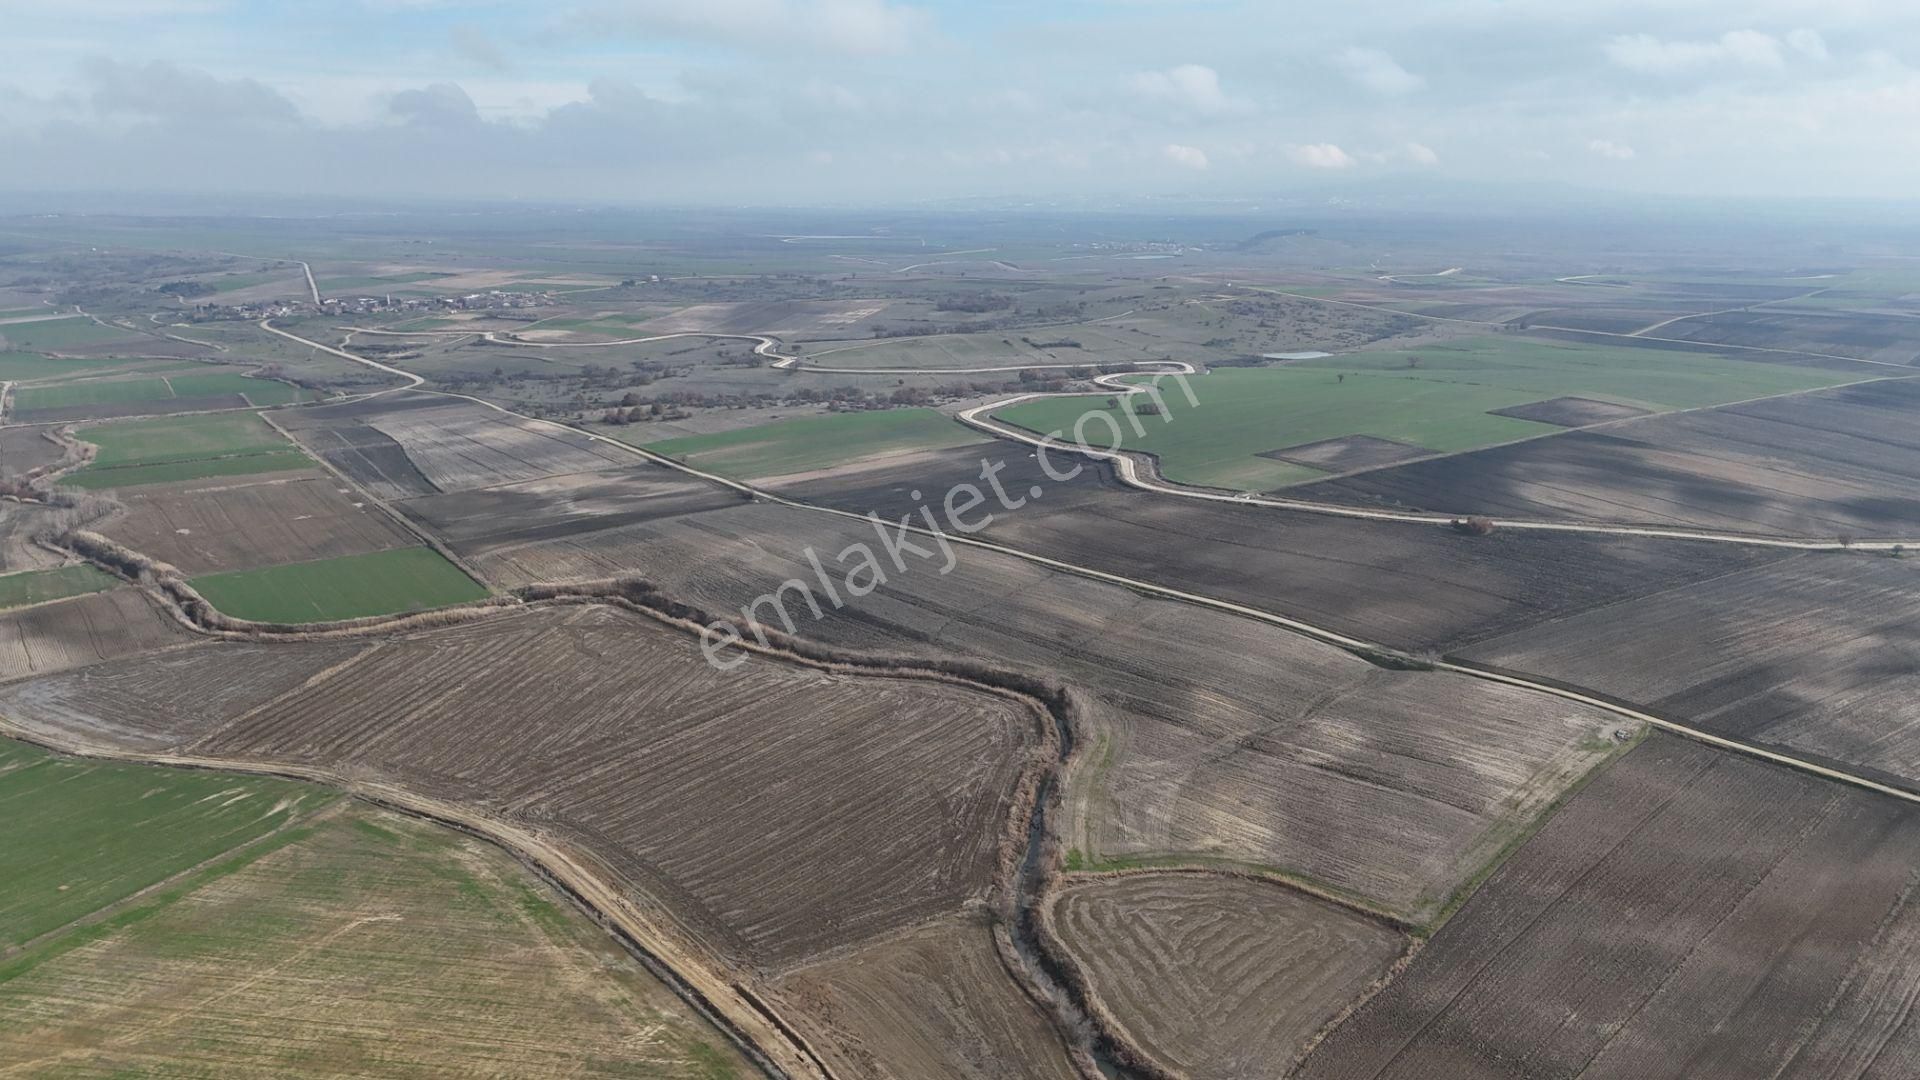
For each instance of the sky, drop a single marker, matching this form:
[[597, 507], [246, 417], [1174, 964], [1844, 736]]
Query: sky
[[850, 101]]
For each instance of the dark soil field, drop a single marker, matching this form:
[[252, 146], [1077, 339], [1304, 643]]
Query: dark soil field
[[243, 522], [366, 455], [1571, 411], [25, 449], [1350, 452], [1835, 462], [856, 806], [932, 1002], [1692, 915], [1216, 976], [85, 630], [1819, 655], [1887, 338], [478, 521], [1213, 737], [1409, 586]]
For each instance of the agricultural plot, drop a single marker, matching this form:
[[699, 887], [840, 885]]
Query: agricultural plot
[[82, 836], [448, 956], [1447, 397], [64, 334], [1814, 655], [933, 1002], [482, 520], [205, 526], [369, 457], [613, 733], [805, 319], [25, 367], [1836, 462], [184, 448], [1886, 338], [1409, 586], [1690, 914], [1207, 975], [797, 446], [458, 445], [21, 525], [343, 587], [85, 630], [1212, 738], [40, 586], [22, 450], [82, 399]]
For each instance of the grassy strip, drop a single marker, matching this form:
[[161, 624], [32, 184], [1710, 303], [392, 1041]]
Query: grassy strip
[[167, 472], [39, 586], [348, 587]]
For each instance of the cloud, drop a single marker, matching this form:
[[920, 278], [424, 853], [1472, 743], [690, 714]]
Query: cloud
[[1735, 48], [1611, 150], [851, 27], [1378, 72], [1321, 156], [473, 43], [442, 105], [1191, 88], [1421, 154], [1191, 157], [163, 91]]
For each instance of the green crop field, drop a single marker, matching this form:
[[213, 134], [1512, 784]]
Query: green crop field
[[816, 442], [243, 959], [63, 333], [90, 392], [348, 587], [1443, 404], [82, 835], [184, 448], [39, 586], [23, 366], [258, 391]]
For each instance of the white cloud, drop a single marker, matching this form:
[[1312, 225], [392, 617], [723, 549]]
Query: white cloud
[[1378, 72], [1193, 88], [856, 27], [1611, 150], [1191, 157], [1808, 43], [1735, 48], [1321, 156], [1421, 154]]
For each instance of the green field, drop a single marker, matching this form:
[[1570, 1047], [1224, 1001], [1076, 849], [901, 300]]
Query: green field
[[155, 388], [1443, 404], [184, 448], [62, 333], [815, 442], [39, 586], [258, 391], [22, 366], [101, 832], [349, 587], [164, 922]]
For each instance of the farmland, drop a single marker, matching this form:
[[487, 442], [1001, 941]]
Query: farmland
[[916, 778], [792, 446], [342, 587], [184, 448], [1813, 655], [202, 526], [83, 836], [1825, 464], [1217, 976], [138, 915], [60, 335], [40, 586], [1445, 397], [83, 630], [1704, 916], [1256, 763]]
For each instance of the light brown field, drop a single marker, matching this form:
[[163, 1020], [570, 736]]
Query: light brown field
[[239, 523], [371, 944], [934, 1002], [1216, 976], [459, 445], [1214, 737], [53, 637]]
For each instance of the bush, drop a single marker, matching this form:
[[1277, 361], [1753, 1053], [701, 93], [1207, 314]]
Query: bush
[[1474, 526]]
